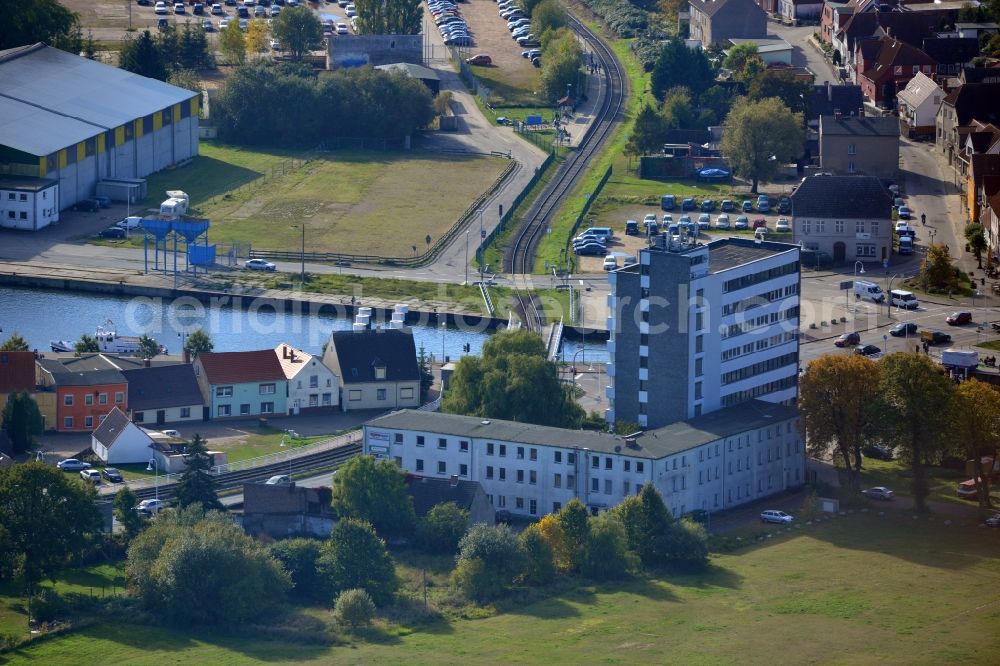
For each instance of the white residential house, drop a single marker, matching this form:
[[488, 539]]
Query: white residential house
[[918, 105], [710, 463], [311, 385], [118, 441], [28, 203]]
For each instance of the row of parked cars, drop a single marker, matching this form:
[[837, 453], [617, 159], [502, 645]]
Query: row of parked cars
[[763, 204], [448, 19], [519, 26], [651, 226]]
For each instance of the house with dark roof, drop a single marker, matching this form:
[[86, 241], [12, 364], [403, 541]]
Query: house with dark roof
[[960, 110], [907, 27], [428, 492], [377, 368], [989, 211], [718, 21], [17, 373], [242, 384], [829, 100], [950, 54], [847, 217], [118, 441], [892, 66], [75, 393], [286, 509], [850, 145], [982, 167], [164, 394]]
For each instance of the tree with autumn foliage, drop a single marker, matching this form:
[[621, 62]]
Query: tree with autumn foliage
[[836, 399], [977, 430]]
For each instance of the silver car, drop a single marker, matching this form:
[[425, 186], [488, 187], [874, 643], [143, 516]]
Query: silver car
[[260, 265], [775, 516]]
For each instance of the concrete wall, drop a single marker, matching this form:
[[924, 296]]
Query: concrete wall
[[170, 415], [355, 50], [868, 155], [365, 395]]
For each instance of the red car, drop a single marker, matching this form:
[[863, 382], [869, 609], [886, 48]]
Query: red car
[[760, 223], [480, 59], [959, 318], [848, 340]]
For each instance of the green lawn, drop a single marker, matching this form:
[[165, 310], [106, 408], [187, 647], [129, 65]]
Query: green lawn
[[356, 202], [511, 86], [859, 589], [262, 444], [896, 474]]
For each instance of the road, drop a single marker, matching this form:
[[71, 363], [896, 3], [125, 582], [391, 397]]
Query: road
[[803, 53]]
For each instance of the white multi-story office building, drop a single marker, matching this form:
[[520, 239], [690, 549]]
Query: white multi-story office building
[[712, 462], [701, 327]]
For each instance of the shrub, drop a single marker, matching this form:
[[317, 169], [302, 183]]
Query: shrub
[[355, 557], [539, 564], [442, 528], [298, 557], [489, 560], [47, 606], [689, 545], [608, 556], [354, 608]]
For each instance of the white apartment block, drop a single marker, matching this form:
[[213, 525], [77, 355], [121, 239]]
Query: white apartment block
[[713, 462], [700, 327]]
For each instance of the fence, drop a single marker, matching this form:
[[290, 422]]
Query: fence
[[277, 170], [440, 244], [509, 213]]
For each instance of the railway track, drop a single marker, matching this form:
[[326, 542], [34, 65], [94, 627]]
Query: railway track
[[520, 256], [319, 460]]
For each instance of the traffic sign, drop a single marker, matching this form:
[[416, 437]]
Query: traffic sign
[[847, 284]]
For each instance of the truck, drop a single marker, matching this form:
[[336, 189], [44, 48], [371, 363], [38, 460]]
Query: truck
[[963, 360], [868, 291], [176, 204], [906, 245]]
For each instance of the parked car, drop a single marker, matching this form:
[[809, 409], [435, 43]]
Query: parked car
[[198, 8], [935, 337], [904, 213], [707, 206], [160, 8], [959, 318], [112, 232], [848, 339], [610, 262], [726, 206], [480, 59], [903, 328], [742, 223], [704, 221], [631, 228], [171, 433], [784, 205], [782, 225], [993, 521], [590, 249], [760, 223], [217, 10], [259, 265], [278, 480], [871, 351], [775, 516], [747, 206], [341, 28], [206, 25], [112, 475], [647, 219], [72, 465], [91, 475], [87, 205], [877, 452], [879, 493], [763, 204], [760, 233], [150, 507], [722, 222], [179, 8], [687, 204]]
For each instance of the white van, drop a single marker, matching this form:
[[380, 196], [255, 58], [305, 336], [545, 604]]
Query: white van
[[603, 232], [610, 262], [903, 299], [869, 291]]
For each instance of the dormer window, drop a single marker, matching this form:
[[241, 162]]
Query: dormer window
[[379, 372]]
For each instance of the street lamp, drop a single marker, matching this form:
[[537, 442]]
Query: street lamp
[[482, 236], [302, 256], [859, 269], [466, 258], [888, 296], [154, 466]]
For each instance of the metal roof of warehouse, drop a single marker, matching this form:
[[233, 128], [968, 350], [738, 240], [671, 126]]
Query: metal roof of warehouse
[[68, 93]]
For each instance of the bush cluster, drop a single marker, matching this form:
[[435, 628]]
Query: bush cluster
[[624, 18], [254, 107]]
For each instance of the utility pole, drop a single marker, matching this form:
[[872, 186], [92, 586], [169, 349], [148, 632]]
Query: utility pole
[[303, 256]]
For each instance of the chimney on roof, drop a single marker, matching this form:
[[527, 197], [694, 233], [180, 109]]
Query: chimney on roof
[[454, 480], [829, 91]]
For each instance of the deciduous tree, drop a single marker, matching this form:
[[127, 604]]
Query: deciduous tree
[[442, 528], [232, 44], [197, 342], [131, 520], [744, 61], [87, 344], [299, 557], [489, 560], [148, 347], [937, 270], [915, 401], [648, 132], [15, 343], [975, 236], [837, 403], [355, 557], [561, 65], [794, 93], [374, 491], [299, 30], [196, 485], [31, 21], [548, 15], [608, 556], [678, 65], [22, 420], [977, 432], [539, 562], [389, 17], [257, 36], [760, 138], [572, 518], [354, 608]]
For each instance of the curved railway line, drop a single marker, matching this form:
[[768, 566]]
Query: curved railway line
[[520, 256]]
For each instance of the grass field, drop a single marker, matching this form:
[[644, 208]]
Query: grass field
[[857, 589], [262, 444], [350, 201], [896, 474]]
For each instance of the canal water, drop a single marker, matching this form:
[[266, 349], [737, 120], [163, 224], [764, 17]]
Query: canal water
[[41, 316]]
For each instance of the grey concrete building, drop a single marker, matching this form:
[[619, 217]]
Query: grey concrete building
[[696, 328], [77, 121], [718, 21], [850, 145], [358, 50], [848, 217]]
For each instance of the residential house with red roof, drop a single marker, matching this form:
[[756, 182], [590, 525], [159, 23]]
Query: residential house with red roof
[[964, 111], [242, 384], [890, 70], [984, 168]]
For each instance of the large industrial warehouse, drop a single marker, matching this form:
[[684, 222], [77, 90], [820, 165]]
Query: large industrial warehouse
[[78, 122]]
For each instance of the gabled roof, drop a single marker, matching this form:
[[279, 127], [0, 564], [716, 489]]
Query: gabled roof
[[713, 7], [983, 166], [948, 51], [86, 370], [858, 126], [428, 493], [905, 26], [359, 352], [918, 90], [829, 98], [975, 101], [161, 387], [241, 367], [17, 371], [980, 75], [292, 360], [842, 197], [983, 136], [113, 425], [893, 53]]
